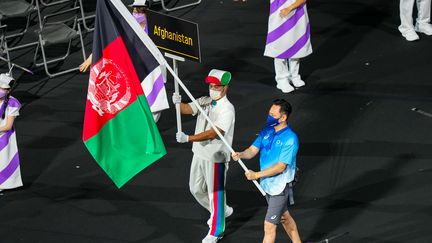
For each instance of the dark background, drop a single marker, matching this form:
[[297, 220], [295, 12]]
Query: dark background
[[365, 155]]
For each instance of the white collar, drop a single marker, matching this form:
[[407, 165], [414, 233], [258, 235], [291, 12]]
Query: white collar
[[221, 100]]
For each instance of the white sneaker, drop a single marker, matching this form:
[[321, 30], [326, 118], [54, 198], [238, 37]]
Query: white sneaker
[[298, 83], [211, 239], [424, 28], [228, 212], [284, 86], [410, 35]]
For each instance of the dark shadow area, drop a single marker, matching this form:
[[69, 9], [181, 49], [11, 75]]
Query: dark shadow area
[[358, 194]]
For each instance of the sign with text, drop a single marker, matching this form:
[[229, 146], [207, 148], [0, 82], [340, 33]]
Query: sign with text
[[173, 35]]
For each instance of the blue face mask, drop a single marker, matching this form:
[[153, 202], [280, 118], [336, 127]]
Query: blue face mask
[[271, 121]]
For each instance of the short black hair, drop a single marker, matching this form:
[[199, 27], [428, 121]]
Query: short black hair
[[285, 106]]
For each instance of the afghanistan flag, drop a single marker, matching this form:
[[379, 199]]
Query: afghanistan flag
[[119, 130]]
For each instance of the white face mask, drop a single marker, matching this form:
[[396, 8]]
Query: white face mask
[[215, 95]]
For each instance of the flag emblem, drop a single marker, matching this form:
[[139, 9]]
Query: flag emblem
[[109, 88], [119, 130]]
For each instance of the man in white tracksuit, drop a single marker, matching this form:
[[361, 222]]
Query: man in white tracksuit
[[423, 25], [211, 156]]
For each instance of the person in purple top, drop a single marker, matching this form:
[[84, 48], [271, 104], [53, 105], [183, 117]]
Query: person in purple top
[[154, 88], [288, 40], [10, 173], [139, 13], [139, 8]]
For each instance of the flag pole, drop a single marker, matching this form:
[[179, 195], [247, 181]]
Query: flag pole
[[158, 55], [176, 87], [177, 92], [177, 79]]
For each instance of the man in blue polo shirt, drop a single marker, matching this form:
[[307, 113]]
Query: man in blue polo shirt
[[278, 146]]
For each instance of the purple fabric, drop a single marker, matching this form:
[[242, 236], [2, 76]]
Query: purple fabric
[[10, 169], [300, 43], [275, 5], [139, 17], [4, 139], [157, 87], [3, 93], [285, 27], [13, 102]]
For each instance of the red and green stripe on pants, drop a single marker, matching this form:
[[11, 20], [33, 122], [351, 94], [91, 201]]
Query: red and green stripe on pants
[[218, 215]]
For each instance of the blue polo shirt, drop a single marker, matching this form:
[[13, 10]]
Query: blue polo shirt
[[274, 147]]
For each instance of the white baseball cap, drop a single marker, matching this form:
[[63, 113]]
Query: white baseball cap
[[218, 77], [139, 3], [5, 79]]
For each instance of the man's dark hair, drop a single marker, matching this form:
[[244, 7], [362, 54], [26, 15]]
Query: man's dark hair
[[285, 106]]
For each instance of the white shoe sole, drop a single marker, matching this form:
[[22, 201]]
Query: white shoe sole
[[411, 38], [218, 238], [226, 216], [298, 86], [230, 213], [288, 90], [421, 31]]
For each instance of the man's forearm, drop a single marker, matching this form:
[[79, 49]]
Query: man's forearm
[[186, 109], [207, 135], [247, 154], [273, 170]]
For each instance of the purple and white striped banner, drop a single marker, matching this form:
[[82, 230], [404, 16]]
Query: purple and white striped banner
[[154, 90], [288, 37], [10, 175]]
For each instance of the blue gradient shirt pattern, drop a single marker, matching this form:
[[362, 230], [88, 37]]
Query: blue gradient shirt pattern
[[274, 147]]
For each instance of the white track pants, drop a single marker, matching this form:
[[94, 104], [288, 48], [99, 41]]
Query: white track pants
[[406, 13], [287, 69], [207, 185]]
